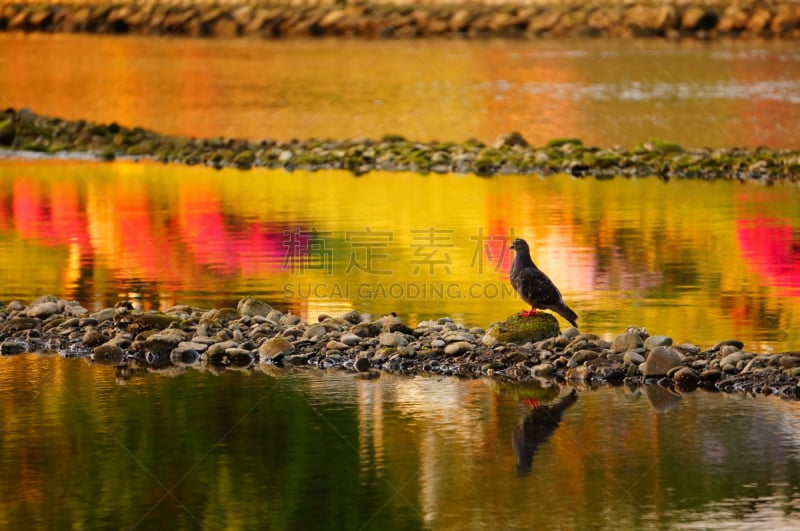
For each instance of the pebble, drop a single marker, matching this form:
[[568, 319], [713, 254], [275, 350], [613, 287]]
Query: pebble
[[314, 331], [728, 342], [625, 342], [362, 364], [660, 361], [274, 346], [459, 347], [657, 341], [633, 358], [236, 338], [580, 357], [350, 339], [393, 339]]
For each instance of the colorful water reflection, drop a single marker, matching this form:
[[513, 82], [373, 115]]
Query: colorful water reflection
[[251, 451], [605, 92], [700, 261]]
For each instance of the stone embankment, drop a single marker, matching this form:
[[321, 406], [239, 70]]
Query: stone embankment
[[24, 131], [671, 19], [256, 336]]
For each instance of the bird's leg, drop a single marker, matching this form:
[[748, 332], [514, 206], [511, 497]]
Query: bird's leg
[[530, 312]]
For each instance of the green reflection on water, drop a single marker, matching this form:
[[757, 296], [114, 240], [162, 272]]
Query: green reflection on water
[[328, 451]]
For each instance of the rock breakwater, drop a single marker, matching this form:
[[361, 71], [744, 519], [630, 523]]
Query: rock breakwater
[[25, 131], [256, 336], [606, 18]]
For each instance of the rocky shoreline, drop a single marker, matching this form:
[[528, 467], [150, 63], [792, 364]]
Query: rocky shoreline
[[255, 336], [22, 131], [271, 20]]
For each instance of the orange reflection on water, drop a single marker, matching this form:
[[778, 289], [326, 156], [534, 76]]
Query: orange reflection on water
[[699, 270], [607, 93]]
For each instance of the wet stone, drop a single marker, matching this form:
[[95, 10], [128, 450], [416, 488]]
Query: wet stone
[[335, 345], [42, 310], [789, 362], [10, 348], [192, 345], [393, 339], [108, 353], [660, 361], [103, 315], [633, 357], [711, 375], [352, 317], [733, 358], [290, 320], [728, 342], [366, 329], [543, 369], [362, 364], [453, 337], [314, 331], [350, 339], [657, 341], [625, 342], [459, 347], [581, 357], [93, 337]]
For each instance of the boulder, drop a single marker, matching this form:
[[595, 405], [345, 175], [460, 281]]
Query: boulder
[[520, 330], [660, 361]]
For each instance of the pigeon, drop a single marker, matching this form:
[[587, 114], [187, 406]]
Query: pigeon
[[535, 287]]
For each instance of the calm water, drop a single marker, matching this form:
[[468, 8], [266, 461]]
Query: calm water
[[696, 260], [90, 447], [606, 92], [304, 451]]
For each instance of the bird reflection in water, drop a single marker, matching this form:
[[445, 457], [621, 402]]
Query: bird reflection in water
[[535, 427]]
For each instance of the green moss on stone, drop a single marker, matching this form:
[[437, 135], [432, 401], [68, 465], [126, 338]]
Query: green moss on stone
[[662, 146], [107, 153], [560, 142], [392, 138], [34, 146], [520, 330], [244, 160]]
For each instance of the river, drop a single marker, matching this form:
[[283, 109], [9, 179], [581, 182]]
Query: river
[[93, 446]]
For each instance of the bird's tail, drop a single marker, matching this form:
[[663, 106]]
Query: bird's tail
[[566, 312]]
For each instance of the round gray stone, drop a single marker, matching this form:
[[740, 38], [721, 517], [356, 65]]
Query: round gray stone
[[660, 361]]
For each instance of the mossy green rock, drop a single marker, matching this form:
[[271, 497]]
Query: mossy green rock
[[520, 330], [136, 323]]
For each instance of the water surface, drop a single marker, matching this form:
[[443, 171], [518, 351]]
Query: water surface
[[700, 261], [328, 451], [606, 92], [87, 446]]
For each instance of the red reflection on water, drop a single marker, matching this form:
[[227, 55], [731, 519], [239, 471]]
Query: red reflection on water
[[53, 216], [137, 240], [226, 245], [771, 248]]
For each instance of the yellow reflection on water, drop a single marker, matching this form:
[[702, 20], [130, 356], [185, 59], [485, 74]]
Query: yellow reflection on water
[[701, 261]]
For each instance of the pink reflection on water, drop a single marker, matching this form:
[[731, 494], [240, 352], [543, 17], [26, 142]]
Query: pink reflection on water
[[51, 216], [227, 246], [771, 249], [139, 241]]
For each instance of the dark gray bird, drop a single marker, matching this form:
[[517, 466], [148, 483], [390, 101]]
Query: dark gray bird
[[535, 287]]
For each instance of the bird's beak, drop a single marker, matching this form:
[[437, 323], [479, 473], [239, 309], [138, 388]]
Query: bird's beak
[[511, 247]]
